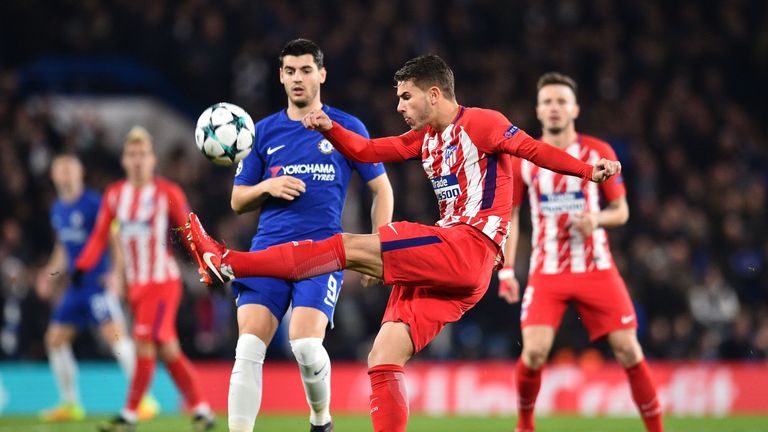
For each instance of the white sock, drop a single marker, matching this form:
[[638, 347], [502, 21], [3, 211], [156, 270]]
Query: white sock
[[64, 369], [315, 369], [245, 383], [125, 354]]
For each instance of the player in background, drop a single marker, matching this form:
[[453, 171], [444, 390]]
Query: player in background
[[437, 272], [297, 183], [145, 207], [571, 260], [73, 215]]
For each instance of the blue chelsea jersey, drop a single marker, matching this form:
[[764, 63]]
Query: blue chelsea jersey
[[73, 223], [284, 147]]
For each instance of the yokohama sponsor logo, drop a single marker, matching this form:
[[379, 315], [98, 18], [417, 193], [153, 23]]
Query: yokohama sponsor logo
[[316, 168]]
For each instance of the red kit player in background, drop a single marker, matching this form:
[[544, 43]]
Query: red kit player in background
[[437, 272], [145, 208], [571, 260]]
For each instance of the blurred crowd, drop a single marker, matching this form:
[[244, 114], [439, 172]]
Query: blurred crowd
[[676, 87]]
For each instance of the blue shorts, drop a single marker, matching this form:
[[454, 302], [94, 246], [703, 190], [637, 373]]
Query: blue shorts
[[85, 306], [319, 292]]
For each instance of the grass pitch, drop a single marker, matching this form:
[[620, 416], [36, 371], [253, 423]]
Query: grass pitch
[[272, 423]]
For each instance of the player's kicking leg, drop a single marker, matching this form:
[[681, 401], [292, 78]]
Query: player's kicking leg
[[628, 353], [58, 341], [288, 261]]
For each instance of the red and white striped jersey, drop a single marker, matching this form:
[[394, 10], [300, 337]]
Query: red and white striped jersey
[[554, 199], [471, 180], [469, 165], [144, 215]]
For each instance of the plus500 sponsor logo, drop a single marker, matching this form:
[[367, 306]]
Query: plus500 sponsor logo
[[446, 187]]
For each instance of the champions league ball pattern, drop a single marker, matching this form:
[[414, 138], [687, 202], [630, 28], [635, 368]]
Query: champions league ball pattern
[[224, 133]]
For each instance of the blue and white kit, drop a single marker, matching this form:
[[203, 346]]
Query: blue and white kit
[[88, 303]]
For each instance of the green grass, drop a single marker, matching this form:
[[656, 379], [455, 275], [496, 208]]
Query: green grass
[[417, 424]]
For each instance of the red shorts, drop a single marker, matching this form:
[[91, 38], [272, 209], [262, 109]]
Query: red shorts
[[600, 297], [154, 309], [437, 274]]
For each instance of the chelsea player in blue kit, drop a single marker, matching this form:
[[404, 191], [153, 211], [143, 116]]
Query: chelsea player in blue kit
[[297, 182], [73, 215]]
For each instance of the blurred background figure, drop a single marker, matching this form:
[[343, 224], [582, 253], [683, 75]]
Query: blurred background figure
[[91, 302]]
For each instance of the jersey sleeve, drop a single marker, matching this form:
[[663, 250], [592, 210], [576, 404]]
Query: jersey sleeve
[[178, 205], [367, 171], [496, 134], [518, 185], [362, 149], [250, 170], [99, 237], [613, 188]]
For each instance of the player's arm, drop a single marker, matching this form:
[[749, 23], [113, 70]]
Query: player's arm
[[361, 149], [117, 279], [615, 214], [250, 198], [382, 205], [52, 271], [509, 287], [503, 137], [97, 241]]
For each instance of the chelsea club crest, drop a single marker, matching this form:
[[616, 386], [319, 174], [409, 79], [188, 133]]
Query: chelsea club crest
[[325, 146]]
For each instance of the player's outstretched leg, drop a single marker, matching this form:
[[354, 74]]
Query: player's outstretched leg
[[289, 261], [315, 370]]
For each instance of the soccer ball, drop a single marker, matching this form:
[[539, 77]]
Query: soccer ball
[[224, 133]]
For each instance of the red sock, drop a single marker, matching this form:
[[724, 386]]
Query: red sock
[[183, 375], [645, 397], [389, 401], [145, 369], [528, 385], [292, 260]]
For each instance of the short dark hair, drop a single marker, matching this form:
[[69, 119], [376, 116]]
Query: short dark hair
[[299, 47], [426, 71], [556, 78]]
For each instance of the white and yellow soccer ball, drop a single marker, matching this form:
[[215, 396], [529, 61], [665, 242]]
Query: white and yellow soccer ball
[[224, 133]]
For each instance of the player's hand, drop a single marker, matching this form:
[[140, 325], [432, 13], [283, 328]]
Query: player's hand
[[369, 281], [509, 287], [285, 187], [605, 169], [585, 223], [318, 121]]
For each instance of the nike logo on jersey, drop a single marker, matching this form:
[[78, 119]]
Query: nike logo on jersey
[[271, 150], [626, 319], [393, 228]]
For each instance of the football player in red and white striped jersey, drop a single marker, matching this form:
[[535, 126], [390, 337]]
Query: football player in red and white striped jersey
[[571, 260], [438, 272], [145, 207]]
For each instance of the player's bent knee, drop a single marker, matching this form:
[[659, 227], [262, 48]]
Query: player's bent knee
[[250, 347], [308, 350]]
